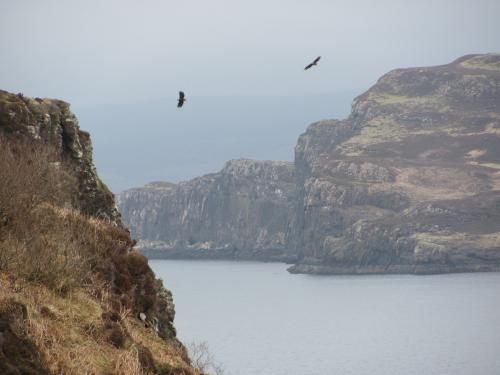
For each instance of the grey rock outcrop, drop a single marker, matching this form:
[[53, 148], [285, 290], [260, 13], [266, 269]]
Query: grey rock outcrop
[[245, 211], [51, 122]]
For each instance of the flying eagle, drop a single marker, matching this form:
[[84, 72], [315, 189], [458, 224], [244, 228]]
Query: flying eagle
[[181, 99], [315, 62]]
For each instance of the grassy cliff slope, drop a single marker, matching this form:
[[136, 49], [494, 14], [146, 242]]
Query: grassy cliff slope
[[75, 297]]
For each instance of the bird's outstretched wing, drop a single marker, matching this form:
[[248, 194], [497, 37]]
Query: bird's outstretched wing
[[181, 99], [315, 62]]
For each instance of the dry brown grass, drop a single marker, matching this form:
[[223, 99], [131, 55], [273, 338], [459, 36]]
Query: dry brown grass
[[78, 278], [434, 183], [34, 245], [70, 333], [128, 363]]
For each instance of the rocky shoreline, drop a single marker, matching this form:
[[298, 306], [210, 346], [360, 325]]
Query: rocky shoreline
[[217, 254], [422, 269]]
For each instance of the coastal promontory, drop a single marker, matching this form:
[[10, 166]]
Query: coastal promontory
[[408, 183]]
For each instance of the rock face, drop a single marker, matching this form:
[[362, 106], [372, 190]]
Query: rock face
[[52, 122], [409, 182], [245, 211]]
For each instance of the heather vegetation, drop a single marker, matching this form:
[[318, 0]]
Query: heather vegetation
[[71, 285]]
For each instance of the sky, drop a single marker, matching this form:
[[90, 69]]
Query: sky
[[121, 64]]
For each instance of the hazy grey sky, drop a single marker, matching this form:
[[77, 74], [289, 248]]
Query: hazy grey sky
[[121, 64]]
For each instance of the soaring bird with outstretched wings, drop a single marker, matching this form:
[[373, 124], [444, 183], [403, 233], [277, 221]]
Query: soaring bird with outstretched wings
[[181, 99], [315, 62]]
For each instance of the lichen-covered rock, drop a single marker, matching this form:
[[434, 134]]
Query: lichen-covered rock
[[51, 121]]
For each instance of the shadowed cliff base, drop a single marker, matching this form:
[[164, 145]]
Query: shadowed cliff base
[[408, 183], [264, 255]]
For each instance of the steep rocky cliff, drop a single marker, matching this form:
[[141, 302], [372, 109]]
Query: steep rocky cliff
[[409, 182], [244, 212], [52, 122], [75, 296]]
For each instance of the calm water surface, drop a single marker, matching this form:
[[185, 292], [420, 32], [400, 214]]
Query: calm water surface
[[258, 319]]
